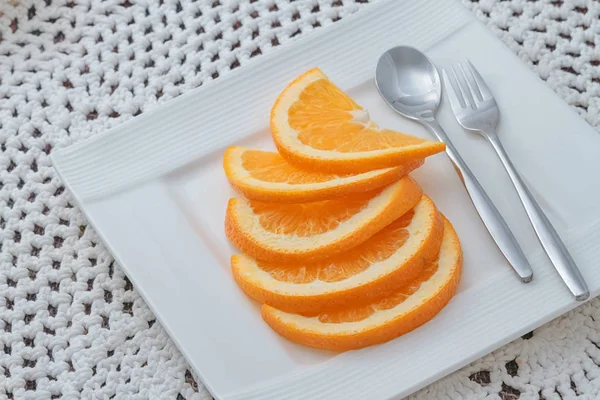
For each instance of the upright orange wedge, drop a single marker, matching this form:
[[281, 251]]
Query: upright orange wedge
[[383, 320], [391, 258], [317, 126], [308, 231], [266, 176]]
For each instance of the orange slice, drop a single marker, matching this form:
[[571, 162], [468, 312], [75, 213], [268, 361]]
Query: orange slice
[[266, 176], [308, 231], [390, 259], [317, 126], [382, 320]]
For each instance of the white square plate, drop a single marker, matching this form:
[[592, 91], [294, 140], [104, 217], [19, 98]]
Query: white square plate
[[154, 190]]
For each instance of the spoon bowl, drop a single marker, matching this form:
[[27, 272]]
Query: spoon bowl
[[409, 82]]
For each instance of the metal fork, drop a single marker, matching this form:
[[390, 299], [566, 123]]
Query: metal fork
[[476, 110]]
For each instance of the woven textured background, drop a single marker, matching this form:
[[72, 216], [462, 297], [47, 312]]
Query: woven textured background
[[71, 324]]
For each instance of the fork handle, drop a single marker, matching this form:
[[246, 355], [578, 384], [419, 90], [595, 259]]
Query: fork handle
[[489, 214], [555, 248]]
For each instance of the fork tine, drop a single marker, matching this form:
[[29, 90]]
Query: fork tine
[[470, 79], [467, 87], [486, 93], [457, 101], [464, 90]]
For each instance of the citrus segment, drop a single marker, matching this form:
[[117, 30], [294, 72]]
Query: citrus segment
[[389, 259], [266, 176], [317, 126], [309, 231], [382, 320]]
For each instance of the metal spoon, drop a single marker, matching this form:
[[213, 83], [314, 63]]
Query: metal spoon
[[410, 83]]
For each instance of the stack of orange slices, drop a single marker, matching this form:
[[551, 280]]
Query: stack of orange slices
[[340, 245]]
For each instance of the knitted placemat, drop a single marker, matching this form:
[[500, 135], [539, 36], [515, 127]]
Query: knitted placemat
[[71, 324]]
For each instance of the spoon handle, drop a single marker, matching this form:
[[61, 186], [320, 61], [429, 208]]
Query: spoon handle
[[489, 214], [549, 238]]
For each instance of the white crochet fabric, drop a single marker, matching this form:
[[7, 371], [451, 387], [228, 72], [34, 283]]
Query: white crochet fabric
[[71, 324]]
